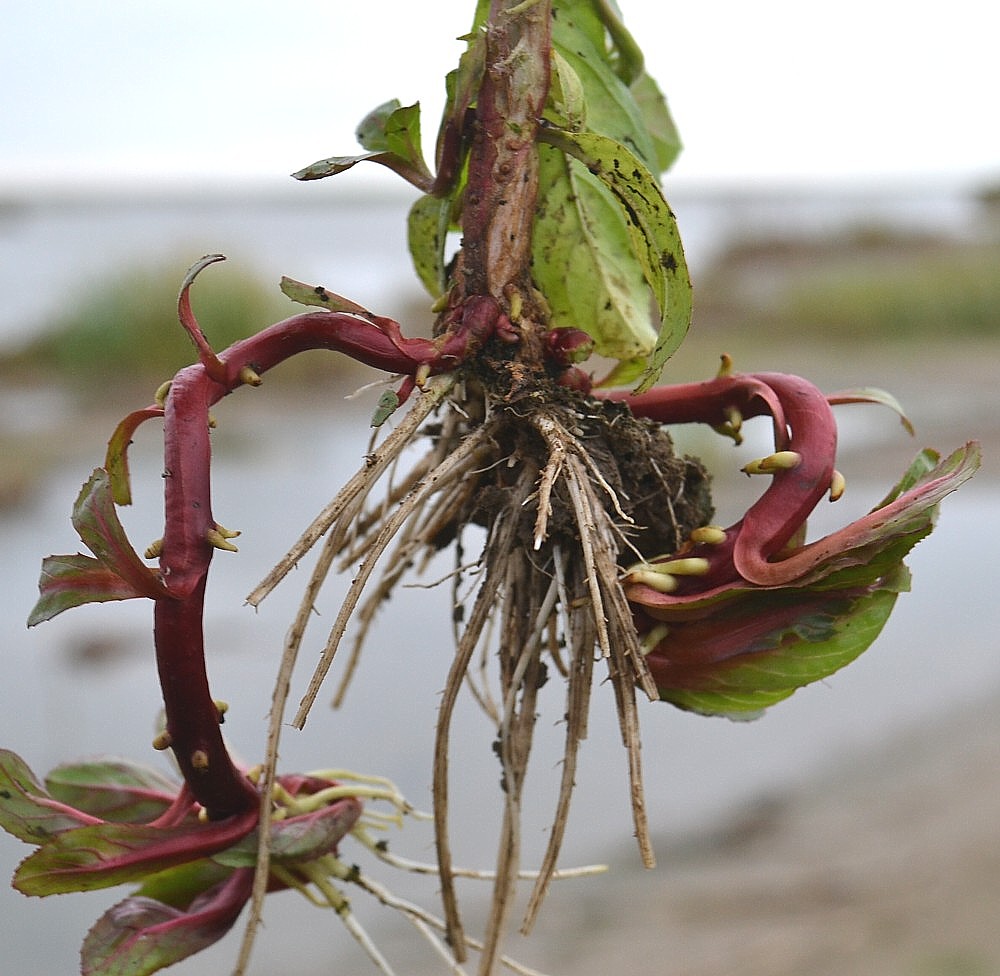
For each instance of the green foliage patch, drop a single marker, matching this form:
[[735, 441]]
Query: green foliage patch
[[127, 326], [948, 292]]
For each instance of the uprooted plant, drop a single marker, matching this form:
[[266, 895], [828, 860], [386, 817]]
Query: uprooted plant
[[600, 547]]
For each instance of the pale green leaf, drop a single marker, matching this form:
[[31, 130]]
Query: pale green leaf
[[112, 789], [427, 233], [334, 165], [317, 295], [27, 812], [371, 130], [584, 263], [652, 229], [871, 394], [567, 104], [658, 121], [116, 459], [610, 107]]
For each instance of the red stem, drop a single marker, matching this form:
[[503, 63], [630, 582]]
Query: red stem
[[803, 423], [192, 716]]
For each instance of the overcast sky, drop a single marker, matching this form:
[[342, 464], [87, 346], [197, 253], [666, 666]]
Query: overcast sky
[[771, 90]]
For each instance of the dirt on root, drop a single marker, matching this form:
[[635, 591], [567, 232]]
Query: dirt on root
[[655, 496]]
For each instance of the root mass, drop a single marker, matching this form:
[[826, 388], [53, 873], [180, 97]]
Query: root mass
[[571, 490]]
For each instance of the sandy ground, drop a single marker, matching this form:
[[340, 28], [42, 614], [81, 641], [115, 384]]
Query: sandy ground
[[888, 865]]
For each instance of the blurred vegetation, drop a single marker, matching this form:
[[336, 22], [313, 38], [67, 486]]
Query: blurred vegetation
[[872, 283], [869, 283], [124, 331]]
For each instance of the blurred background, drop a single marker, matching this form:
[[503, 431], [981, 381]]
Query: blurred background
[[839, 198]]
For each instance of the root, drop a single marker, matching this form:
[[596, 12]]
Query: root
[[454, 466], [569, 491], [577, 709], [357, 489]]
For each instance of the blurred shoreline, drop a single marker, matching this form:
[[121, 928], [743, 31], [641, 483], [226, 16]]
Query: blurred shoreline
[[57, 241]]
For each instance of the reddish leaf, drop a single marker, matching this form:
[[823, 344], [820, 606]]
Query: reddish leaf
[[907, 513], [116, 574], [71, 581], [113, 789], [106, 854], [301, 838], [757, 651], [140, 935], [738, 647], [96, 520]]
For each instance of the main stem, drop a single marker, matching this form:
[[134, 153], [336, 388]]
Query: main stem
[[499, 201]]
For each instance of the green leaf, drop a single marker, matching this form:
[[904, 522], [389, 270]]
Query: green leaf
[[116, 460], [581, 22], [792, 654], [180, 885], [392, 135], [627, 57], [589, 260], [26, 811], [301, 838], [394, 129], [625, 372], [388, 404], [871, 394], [628, 64], [920, 467], [584, 263], [371, 131], [652, 229], [112, 789], [427, 234]]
